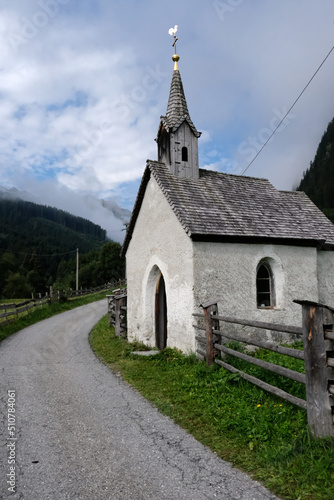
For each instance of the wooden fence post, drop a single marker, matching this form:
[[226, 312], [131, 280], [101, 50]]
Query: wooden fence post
[[123, 316], [318, 339], [120, 315], [117, 317], [210, 310], [111, 308]]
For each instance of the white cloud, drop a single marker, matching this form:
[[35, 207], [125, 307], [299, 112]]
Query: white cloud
[[81, 96]]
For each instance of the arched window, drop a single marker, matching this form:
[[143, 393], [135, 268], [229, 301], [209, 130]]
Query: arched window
[[265, 286], [184, 154]]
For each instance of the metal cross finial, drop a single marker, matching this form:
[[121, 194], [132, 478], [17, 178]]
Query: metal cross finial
[[174, 44]]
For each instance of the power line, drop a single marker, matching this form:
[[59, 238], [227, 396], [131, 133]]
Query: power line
[[36, 254], [286, 114]]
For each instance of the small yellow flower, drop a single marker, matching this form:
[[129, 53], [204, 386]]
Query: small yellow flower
[[258, 406], [281, 405]]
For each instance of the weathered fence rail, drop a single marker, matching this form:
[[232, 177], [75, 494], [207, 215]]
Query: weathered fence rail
[[11, 311], [117, 311], [318, 339]]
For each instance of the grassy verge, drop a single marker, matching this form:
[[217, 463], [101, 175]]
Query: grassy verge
[[260, 434], [44, 312]]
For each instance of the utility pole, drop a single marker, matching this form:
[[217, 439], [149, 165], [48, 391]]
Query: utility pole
[[77, 280]]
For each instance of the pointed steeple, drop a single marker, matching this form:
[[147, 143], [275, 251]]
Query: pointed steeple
[[177, 135], [177, 109]]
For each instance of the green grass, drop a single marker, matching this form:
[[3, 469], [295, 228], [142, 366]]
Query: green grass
[[286, 384], [11, 312], [44, 312], [258, 433], [12, 301]]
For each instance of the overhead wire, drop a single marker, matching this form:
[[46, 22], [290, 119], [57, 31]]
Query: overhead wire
[[36, 254], [289, 110]]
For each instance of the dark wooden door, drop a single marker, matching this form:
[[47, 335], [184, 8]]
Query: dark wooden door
[[161, 314]]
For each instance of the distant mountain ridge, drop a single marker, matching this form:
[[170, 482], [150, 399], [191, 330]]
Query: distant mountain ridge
[[38, 249], [14, 194], [35, 239], [105, 213], [17, 212]]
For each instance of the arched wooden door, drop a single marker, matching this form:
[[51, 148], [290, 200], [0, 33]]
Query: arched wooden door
[[160, 314]]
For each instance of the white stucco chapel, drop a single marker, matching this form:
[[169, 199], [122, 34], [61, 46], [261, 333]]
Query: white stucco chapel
[[197, 234]]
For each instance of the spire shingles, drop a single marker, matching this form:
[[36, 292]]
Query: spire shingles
[[177, 109]]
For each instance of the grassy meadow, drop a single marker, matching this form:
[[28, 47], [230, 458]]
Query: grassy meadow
[[262, 435]]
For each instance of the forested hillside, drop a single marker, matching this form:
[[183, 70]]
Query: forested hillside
[[38, 249], [318, 180]]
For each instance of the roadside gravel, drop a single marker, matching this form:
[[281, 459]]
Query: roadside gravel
[[82, 433]]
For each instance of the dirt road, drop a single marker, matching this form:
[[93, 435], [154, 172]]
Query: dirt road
[[73, 430]]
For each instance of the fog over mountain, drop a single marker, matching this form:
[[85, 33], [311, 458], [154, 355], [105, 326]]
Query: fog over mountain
[[107, 213]]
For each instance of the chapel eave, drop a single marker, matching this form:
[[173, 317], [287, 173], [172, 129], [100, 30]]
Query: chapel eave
[[173, 127]]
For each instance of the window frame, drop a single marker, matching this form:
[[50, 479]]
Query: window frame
[[269, 291]]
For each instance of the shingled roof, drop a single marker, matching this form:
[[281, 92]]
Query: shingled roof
[[177, 109], [225, 207]]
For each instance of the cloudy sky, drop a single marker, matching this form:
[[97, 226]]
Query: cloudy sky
[[83, 84]]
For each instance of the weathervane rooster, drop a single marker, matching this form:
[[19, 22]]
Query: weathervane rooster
[[172, 32]]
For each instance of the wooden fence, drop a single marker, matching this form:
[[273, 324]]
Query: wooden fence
[[316, 330], [117, 311], [318, 355], [10, 312], [58, 295]]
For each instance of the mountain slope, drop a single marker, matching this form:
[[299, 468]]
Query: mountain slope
[[17, 216], [35, 239], [318, 180], [106, 213]]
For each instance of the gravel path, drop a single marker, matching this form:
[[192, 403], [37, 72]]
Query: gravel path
[[84, 434]]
